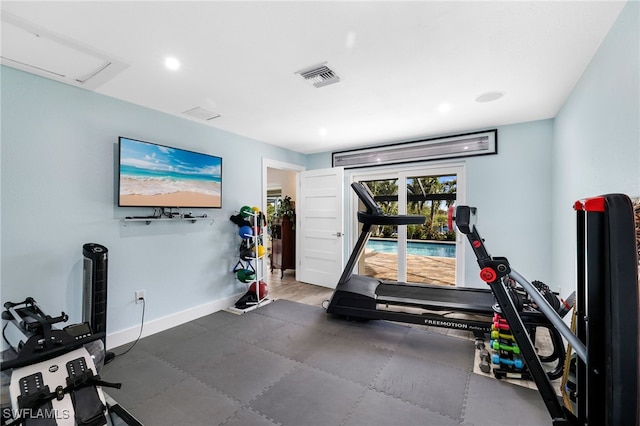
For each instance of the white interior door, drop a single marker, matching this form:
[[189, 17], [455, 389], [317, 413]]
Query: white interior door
[[320, 227]]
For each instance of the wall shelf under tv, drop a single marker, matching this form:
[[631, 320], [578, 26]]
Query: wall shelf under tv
[[149, 220]]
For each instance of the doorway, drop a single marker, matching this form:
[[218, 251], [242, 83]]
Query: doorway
[[280, 182]]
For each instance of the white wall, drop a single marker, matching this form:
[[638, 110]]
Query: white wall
[[596, 148], [59, 150]]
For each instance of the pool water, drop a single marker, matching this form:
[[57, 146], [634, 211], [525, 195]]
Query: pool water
[[414, 247]]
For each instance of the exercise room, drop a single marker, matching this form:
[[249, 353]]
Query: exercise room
[[320, 213]]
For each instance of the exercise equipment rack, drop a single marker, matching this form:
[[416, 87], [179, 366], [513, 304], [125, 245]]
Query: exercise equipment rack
[[251, 258]]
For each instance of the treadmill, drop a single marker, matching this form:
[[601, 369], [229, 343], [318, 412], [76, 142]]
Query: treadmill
[[602, 383], [361, 297]]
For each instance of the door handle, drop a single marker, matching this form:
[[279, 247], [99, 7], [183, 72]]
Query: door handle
[[338, 234]]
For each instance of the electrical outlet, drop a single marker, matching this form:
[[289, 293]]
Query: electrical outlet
[[139, 296]]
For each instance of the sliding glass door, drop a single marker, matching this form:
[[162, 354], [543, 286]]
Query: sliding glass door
[[425, 253]]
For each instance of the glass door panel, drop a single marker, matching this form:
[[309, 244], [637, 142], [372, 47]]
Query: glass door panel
[[431, 247], [380, 258]]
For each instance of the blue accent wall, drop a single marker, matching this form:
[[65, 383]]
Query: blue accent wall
[[59, 159], [596, 147]]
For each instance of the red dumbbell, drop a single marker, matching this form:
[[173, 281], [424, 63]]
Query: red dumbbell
[[500, 326], [498, 318]]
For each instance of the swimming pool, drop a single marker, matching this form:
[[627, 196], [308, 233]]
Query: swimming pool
[[426, 248]]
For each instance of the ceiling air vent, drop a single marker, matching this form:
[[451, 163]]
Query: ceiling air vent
[[424, 150], [201, 114], [319, 75]]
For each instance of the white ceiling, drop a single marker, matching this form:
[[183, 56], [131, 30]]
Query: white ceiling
[[398, 62]]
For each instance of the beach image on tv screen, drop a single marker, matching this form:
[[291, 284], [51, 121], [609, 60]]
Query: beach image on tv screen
[[159, 176]]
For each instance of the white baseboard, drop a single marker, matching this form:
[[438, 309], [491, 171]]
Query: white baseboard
[[128, 335]]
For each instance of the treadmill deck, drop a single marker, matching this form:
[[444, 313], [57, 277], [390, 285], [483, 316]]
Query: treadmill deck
[[436, 298]]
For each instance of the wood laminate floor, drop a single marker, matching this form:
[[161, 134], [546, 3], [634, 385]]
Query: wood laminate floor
[[286, 287]]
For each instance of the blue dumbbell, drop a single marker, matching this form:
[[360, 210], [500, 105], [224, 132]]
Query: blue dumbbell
[[517, 363]]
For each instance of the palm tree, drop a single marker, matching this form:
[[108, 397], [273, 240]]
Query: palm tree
[[450, 187], [423, 186], [418, 189]]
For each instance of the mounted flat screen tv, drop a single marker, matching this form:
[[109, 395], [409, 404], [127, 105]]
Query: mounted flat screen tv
[[153, 175]]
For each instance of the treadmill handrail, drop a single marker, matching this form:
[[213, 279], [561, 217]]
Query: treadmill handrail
[[387, 219]]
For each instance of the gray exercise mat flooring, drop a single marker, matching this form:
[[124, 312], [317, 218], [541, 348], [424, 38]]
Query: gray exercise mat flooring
[[291, 364]]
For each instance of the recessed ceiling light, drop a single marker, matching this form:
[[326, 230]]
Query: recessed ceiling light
[[172, 63], [350, 41], [489, 96], [323, 132], [444, 107]]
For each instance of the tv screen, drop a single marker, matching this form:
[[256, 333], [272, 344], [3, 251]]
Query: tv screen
[[153, 175]]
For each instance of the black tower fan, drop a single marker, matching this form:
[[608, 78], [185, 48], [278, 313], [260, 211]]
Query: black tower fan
[[94, 304]]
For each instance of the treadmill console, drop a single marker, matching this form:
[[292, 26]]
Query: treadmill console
[[366, 197]]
